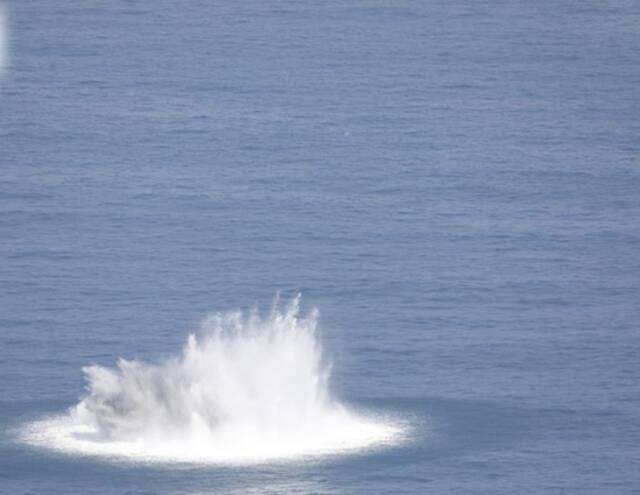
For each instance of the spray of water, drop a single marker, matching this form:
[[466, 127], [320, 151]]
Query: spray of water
[[248, 389]]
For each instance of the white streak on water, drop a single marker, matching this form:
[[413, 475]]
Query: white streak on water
[[250, 389]]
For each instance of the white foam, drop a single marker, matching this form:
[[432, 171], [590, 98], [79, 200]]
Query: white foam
[[247, 390]]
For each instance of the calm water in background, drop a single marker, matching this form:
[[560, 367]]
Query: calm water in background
[[455, 186]]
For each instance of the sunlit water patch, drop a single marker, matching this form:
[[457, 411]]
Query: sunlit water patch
[[247, 389]]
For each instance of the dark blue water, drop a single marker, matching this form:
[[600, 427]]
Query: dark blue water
[[455, 186]]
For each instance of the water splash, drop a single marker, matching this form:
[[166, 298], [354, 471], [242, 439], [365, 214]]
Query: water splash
[[249, 389]]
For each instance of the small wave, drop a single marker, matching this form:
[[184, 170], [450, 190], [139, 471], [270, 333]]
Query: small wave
[[248, 389]]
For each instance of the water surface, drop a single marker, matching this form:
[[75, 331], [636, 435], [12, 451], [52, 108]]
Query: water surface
[[454, 186]]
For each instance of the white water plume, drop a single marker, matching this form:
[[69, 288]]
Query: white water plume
[[249, 389]]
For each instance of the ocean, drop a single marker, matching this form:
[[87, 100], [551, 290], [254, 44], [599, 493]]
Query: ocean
[[404, 237]]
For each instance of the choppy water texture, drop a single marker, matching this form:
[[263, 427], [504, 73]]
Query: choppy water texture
[[455, 186]]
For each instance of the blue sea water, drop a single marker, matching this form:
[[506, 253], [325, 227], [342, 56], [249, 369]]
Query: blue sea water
[[454, 185]]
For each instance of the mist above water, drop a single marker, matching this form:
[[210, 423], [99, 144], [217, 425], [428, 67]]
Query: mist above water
[[246, 389]]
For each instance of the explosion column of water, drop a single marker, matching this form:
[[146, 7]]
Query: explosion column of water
[[247, 389]]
